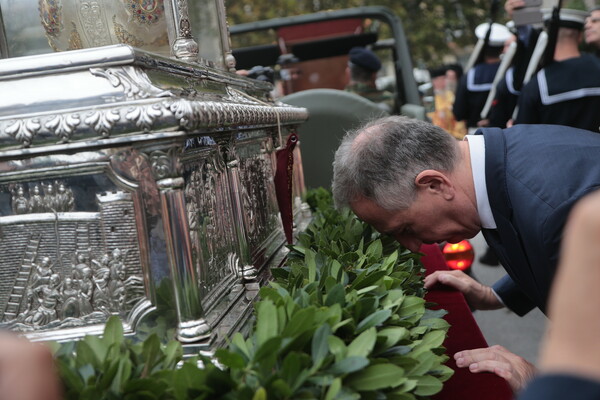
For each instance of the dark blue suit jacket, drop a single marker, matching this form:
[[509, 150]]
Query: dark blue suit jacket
[[561, 387], [534, 175]]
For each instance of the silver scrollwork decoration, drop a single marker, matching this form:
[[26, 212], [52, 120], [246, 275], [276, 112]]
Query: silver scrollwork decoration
[[102, 122], [185, 113], [24, 130], [134, 82], [144, 117], [63, 126]]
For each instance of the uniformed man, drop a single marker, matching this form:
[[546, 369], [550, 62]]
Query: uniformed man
[[566, 92], [363, 66], [475, 85]]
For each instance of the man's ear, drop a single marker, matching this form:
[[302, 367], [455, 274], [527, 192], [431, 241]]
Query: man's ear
[[435, 182]]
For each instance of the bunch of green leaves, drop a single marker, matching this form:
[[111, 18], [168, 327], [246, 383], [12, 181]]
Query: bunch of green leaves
[[114, 367], [344, 319]]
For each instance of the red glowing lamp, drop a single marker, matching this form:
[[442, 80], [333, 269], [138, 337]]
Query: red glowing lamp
[[459, 255]]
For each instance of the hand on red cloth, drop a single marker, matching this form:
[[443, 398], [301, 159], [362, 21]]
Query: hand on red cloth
[[496, 359], [478, 296], [464, 334]]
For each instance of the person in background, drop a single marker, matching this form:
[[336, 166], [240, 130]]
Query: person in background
[[567, 91], [570, 353], [363, 66], [592, 30], [475, 85], [415, 182], [453, 74], [443, 79], [27, 370]]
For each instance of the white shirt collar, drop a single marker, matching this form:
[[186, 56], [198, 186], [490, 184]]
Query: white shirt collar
[[477, 152]]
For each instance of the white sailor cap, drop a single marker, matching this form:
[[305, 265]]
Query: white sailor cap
[[498, 35], [574, 19]]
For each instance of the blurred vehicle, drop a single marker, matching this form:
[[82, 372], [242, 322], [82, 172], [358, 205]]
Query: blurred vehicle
[[309, 54]]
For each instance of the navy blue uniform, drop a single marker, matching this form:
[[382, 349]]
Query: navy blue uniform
[[564, 93], [472, 92], [505, 101]]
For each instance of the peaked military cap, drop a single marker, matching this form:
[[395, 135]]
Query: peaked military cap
[[365, 58]]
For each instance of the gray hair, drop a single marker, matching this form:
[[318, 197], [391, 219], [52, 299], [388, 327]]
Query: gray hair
[[381, 160]]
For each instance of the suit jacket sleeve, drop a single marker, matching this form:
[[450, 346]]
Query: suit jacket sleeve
[[512, 296], [561, 386]]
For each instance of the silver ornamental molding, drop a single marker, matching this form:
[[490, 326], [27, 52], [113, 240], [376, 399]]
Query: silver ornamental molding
[[134, 82], [102, 122], [63, 126], [146, 108]]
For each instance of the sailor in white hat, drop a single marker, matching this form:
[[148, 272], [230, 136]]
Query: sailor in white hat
[[567, 91], [475, 85]]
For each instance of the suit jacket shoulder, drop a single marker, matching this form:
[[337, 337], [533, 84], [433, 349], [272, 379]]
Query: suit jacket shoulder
[[534, 175]]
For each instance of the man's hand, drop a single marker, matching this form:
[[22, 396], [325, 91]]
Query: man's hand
[[478, 296], [496, 359], [27, 370]]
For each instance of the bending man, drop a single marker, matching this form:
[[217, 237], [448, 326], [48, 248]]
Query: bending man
[[415, 182]]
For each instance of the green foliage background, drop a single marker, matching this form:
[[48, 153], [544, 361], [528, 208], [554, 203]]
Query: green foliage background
[[435, 29]]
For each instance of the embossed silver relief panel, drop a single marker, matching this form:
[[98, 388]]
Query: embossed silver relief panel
[[69, 252], [261, 213], [211, 223]]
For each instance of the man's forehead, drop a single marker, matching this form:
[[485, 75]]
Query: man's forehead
[[365, 207]]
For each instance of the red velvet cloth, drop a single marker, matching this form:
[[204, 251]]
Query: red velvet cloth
[[283, 185], [463, 334]]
